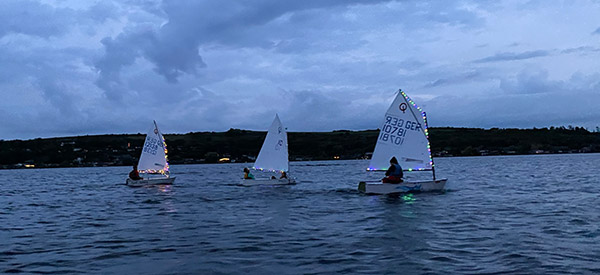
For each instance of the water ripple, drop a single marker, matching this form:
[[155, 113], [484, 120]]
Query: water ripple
[[517, 214]]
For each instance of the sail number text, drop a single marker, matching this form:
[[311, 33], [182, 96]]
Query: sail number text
[[394, 129], [151, 145]]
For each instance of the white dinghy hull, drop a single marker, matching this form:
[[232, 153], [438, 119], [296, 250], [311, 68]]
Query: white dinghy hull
[[257, 182], [404, 187], [150, 181]]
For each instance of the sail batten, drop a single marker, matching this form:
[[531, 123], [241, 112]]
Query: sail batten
[[404, 135], [273, 155]]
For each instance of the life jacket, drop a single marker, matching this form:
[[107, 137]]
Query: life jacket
[[397, 171], [134, 175]]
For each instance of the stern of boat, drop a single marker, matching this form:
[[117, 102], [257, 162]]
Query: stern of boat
[[150, 181], [362, 186], [404, 187]]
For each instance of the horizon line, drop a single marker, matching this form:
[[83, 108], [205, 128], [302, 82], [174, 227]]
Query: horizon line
[[569, 127]]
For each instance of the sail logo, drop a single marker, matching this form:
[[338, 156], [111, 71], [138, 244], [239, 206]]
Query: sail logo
[[279, 144], [403, 107]]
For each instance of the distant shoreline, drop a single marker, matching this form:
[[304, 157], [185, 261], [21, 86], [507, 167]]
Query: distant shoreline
[[243, 145], [292, 161]]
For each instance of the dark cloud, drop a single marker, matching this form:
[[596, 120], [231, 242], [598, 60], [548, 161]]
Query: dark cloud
[[531, 82], [102, 11], [33, 18], [173, 48], [511, 56], [582, 50], [57, 93], [553, 108], [597, 31], [300, 110], [113, 66], [323, 111], [453, 79], [120, 52]]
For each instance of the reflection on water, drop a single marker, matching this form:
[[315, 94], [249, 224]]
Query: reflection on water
[[517, 214]]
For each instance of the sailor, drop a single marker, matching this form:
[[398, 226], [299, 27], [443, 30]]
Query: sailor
[[247, 174], [134, 174], [283, 175], [393, 174]]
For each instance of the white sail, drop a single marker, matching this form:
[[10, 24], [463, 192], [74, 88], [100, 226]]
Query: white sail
[[273, 155], [403, 135], [154, 158]]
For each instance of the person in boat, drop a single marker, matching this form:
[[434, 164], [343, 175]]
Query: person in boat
[[247, 174], [283, 175], [134, 174], [393, 174]]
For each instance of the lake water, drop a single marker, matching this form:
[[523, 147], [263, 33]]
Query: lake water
[[517, 214]]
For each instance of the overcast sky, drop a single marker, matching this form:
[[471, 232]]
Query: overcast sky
[[94, 67]]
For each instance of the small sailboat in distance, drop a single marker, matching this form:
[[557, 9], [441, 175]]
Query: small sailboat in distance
[[405, 136], [273, 156], [153, 161]]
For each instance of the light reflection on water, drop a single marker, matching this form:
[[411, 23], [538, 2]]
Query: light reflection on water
[[521, 214]]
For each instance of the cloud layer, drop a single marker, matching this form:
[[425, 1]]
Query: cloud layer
[[72, 67]]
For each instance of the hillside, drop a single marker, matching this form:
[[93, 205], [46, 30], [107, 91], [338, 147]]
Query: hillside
[[243, 145]]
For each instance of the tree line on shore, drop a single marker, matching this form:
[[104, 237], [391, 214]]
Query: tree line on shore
[[243, 146]]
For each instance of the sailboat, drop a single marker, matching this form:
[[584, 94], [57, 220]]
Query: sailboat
[[153, 161], [404, 135], [273, 157]]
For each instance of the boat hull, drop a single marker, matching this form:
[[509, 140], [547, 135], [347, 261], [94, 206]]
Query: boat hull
[[256, 182], [404, 187], [150, 181]]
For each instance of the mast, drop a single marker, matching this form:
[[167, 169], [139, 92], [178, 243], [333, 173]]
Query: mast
[[429, 144], [424, 129], [164, 145]]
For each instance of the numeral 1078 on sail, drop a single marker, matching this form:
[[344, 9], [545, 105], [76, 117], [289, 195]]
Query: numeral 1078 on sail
[[394, 129]]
